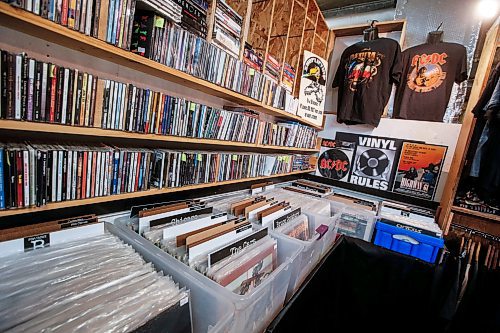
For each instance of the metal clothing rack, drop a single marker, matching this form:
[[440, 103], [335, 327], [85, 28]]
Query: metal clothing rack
[[473, 231]]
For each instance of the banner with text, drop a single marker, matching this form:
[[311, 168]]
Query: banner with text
[[312, 91]]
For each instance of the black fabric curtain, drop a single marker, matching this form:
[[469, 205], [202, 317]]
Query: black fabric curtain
[[361, 287]]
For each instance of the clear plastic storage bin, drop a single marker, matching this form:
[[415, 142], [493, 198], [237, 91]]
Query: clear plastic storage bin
[[356, 223], [312, 250], [211, 312], [251, 312]]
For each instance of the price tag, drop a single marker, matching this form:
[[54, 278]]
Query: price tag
[[235, 157], [251, 72], [159, 22], [200, 157], [184, 157]]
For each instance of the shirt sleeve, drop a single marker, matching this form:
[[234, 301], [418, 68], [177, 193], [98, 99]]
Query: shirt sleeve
[[461, 73], [397, 66], [340, 74]]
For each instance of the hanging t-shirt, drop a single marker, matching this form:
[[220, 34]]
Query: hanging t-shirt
[[365, 76], [429, 71]]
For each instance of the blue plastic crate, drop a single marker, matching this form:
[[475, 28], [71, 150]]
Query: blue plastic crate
[[408, 242]]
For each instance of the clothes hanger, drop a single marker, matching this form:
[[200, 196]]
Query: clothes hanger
[[436, 36], [370, 33]]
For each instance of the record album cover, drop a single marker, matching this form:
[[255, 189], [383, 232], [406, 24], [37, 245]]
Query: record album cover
[[419, 170], [335, 159]]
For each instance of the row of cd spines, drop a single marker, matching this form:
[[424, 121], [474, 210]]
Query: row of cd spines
[[36, 174], [38, 91]]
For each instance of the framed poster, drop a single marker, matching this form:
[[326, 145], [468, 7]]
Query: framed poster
[[419, 170]]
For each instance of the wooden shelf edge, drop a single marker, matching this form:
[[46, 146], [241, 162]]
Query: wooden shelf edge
[[474, 213], [26, 22], [116, 197], [16, 125]]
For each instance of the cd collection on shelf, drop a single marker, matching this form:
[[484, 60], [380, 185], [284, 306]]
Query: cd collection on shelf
[[34, 90], [289, 134], [79, 15], [87, 278], [166, 43], [227, 27], [38, 91], [130, 108], [36, 174]]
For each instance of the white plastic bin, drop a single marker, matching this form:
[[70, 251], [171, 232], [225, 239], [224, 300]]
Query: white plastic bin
[[312, 250], [251, 312], [211, 312]]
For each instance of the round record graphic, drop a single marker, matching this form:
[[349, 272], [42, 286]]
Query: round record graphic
[[334, 164], [373, 162]]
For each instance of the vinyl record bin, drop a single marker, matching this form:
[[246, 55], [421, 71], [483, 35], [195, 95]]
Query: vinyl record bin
[[210, 311], [313, 249], [251, 312]]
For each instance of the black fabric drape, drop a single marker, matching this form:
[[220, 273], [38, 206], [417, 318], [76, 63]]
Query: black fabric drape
[[359, 286]]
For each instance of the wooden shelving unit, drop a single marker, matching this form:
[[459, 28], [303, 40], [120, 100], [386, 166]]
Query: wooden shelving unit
[[97, 200], [258, 25], [474, 213], [50, 129], [34, 25]]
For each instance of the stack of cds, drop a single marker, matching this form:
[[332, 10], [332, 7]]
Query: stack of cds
[[194, 16], [288, 76], [289, 134], [227, 28], [95, 284], [167, 8], [252, 59], [272, 68]]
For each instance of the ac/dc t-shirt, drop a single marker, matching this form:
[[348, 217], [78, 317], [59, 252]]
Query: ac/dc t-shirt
[[429, 71], [365, 76]]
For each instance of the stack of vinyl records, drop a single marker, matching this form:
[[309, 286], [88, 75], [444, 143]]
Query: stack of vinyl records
[[79, 15], [167, 8], [39, 91], [130, 108], [196, 234], [194, 16], [175, 47], [289, 134], [227, 27], [119, 22], [252, 59], [95, 283]]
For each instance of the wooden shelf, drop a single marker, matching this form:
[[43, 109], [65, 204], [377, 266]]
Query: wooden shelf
[[476, 214], [97, 200], [35, 127], [34, 25]]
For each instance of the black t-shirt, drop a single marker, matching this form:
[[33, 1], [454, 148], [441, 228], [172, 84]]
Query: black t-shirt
[[365, 76], [429, 71]]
